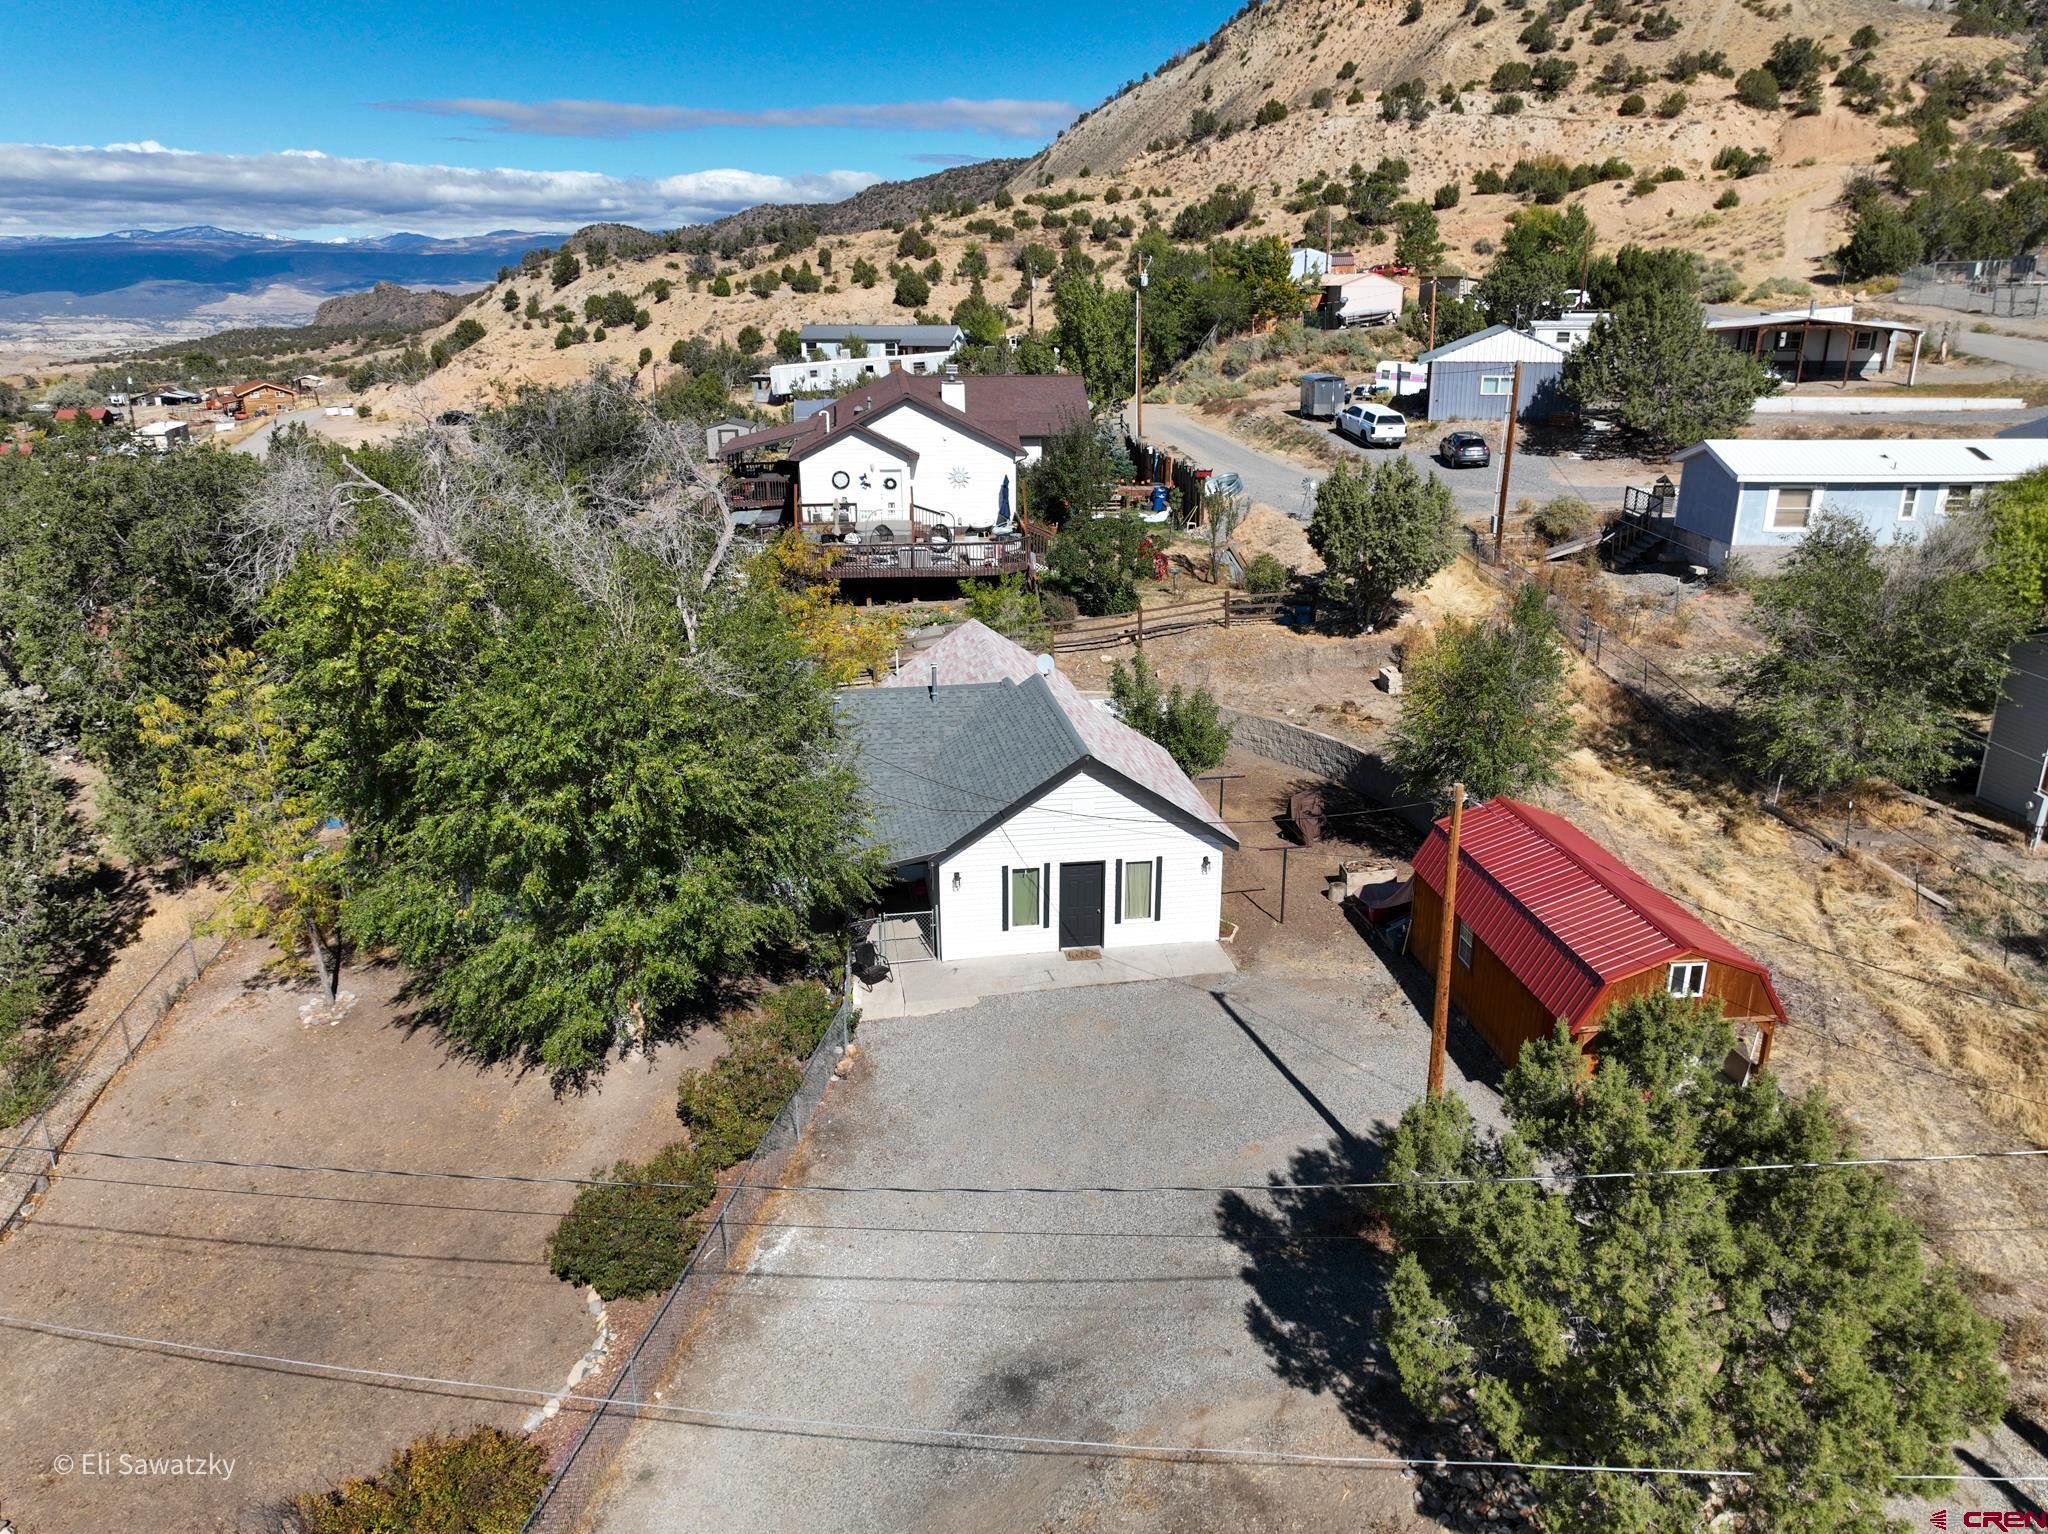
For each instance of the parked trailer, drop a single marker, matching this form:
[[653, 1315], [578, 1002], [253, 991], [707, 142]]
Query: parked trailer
[[1399, 378], [1322, 395]]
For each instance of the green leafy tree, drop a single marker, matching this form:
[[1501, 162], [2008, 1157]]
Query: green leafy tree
[[1786, 1326], [981, 321], [1882, 241], [913, 291], [1099, 561], [1417, 243], [1381, 530], [565, 269], [1652, 364], [1185, 720], [1541, 255], [1871, 653], [1094, 327], [2019, 540], [113, 590], [1012, 609], [789, 345], [1484, 704], [238, 796], [1076, 473]]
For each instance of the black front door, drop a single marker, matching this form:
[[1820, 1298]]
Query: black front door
[[1081, 905]]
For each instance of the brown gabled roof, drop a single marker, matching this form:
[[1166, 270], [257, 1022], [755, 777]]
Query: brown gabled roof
[[262, 383], [1002, 408]]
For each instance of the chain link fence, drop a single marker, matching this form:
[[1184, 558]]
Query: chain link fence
[[36, 1145], [2013, 287], [573, 1493]]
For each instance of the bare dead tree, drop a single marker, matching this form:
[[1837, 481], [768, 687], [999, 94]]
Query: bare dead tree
[[654, 496]]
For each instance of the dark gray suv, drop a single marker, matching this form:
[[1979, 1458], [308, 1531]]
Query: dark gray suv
[[1464, 450]]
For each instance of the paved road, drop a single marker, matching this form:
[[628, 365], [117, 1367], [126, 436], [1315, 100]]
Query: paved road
[[1279, 482], [2027, 353]]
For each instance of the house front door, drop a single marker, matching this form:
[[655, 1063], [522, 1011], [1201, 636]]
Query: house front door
[[1081, 889]]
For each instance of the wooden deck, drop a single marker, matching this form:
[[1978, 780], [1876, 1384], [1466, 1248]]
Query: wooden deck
[[961, 560]]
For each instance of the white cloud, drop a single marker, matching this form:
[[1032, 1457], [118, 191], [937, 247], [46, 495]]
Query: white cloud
[[52, 188], [1003, 116]]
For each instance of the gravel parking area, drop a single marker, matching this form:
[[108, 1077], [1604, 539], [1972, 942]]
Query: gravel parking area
[[1234, 1319]]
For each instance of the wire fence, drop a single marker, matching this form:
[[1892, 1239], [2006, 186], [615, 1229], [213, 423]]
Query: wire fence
[[2011, 287], [585, 1470], [25, 1170]]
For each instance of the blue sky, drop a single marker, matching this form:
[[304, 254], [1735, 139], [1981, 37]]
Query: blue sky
[[371, 116]]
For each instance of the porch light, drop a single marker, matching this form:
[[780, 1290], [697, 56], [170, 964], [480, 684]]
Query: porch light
[[956, 878], [1205, 862]]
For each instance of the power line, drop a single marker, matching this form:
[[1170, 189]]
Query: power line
[[633, 1218], [1068, 1190], [776, 1422]]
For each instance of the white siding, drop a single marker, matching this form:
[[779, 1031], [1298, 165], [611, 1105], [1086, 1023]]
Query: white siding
[[955, 472], [859, 458], [1087, 818]]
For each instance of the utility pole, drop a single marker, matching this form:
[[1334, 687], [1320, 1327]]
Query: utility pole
[[1507, 462], [1432, 315], [1440, 1014], [1138, 362]]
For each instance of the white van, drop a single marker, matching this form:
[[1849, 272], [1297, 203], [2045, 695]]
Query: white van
[[1373, 425]]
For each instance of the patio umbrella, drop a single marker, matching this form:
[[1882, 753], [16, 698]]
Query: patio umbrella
[[1003, 503]]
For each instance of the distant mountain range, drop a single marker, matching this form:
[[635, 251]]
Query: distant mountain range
[[228, 259], [135, 286]]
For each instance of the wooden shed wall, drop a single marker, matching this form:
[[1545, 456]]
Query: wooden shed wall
[[1507, 1015], [1499, 1006]]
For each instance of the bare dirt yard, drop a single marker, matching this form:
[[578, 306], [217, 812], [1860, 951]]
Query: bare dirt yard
[[419, 1277]]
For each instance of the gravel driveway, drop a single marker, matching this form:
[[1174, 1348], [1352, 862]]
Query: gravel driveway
[[1226, 1319]]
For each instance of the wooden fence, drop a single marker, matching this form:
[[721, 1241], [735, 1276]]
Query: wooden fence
[[1135, 628]]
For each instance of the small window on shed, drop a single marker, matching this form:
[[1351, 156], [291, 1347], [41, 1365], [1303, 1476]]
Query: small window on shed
[[1137, 891], [1687, 979], [1496, 384], [1866, 340], [1465, 944]]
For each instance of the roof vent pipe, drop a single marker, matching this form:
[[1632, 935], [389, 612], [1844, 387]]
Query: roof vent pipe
[[931, 688]]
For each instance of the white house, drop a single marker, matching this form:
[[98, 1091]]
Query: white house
[[1025, 818], [1758, 495], [1823, 341], [1569, 330], [910, 452]]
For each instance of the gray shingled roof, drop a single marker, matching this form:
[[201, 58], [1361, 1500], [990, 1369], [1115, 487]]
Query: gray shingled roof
[[936, 337], [937, 764]]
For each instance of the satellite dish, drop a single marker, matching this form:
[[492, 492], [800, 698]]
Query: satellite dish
[[1045, 665]]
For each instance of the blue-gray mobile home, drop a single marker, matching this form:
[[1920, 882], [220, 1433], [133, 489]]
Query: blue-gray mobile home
[[1470, 378], [1758, 496]]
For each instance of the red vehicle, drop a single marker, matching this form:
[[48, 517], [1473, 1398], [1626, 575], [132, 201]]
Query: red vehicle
[[1390, 269]]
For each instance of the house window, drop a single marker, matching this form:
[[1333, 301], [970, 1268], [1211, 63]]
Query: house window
[[1024, 893], [1791, 509], [1909, 503], [1865, 340], [1465, 945], [1138, 891], [1687, 979], [840, 479], [1496, 384], [1960, 498]]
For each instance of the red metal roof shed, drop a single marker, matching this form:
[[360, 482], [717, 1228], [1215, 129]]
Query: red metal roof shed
[[1567, 918]]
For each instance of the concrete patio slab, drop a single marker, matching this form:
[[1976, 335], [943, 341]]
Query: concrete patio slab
[[919, 989]]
